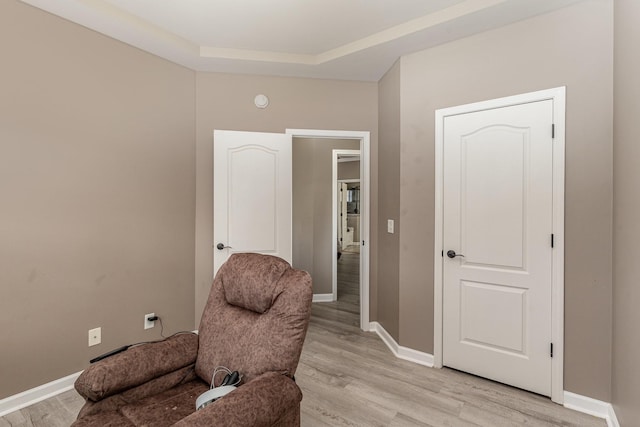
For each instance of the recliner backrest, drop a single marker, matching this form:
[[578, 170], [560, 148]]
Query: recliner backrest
[[256, 317]]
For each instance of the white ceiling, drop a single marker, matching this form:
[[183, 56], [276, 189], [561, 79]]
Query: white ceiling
[[338, 39]]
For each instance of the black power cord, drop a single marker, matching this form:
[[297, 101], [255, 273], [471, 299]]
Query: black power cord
[[126, 347]]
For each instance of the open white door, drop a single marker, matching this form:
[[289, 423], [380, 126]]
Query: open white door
[[251, 194]]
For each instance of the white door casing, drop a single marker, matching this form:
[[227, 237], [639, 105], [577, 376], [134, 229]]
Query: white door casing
[[252, 194], [497, 204]]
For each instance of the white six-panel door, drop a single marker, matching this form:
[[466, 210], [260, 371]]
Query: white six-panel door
[[252, 196], [497, 218]]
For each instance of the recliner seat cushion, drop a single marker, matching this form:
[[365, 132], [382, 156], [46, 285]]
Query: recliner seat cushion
[[165, 409], [104, 419]]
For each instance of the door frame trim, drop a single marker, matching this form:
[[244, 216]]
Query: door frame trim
[[365, 192], [558, 96]]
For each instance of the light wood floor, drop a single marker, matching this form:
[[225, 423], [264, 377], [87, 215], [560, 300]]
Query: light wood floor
[[350, 378], [348, 281], [57, 411]]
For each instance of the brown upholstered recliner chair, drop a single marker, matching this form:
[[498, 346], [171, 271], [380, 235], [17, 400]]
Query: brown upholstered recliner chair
[[255, 322]]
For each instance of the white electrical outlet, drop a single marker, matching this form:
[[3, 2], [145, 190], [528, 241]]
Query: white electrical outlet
[[390, 226], [95, 336], [148, 324]]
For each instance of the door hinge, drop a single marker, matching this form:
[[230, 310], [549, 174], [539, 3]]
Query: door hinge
[[363, 243], [552, 240], [442, 253], [553, 131], [551, 349], [341, 239]]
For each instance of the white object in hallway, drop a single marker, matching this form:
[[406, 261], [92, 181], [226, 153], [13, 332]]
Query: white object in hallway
[[347, 239]]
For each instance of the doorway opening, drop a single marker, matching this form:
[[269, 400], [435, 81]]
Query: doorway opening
[[325, 278], [347, 230]]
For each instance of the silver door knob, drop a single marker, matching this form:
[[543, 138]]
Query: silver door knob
[[221, 246]]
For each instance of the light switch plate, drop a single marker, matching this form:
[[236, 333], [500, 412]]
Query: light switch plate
[[390, 226]]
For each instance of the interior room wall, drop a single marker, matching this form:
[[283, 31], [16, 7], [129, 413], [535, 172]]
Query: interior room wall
[[97, 195], [312, 207], [626, 208], [349, 170], [225, 101], [389, 116], [570, 47]]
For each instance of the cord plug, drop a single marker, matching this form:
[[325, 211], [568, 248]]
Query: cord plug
[[231, 379], [152, 318]]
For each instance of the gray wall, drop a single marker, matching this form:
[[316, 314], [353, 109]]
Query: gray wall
[[626, 208], [349, 170], [572, 47], [225, 101], [97, 195], [312, 211], [389, 117]]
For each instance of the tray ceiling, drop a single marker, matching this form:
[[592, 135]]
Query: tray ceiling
[[338, 39]]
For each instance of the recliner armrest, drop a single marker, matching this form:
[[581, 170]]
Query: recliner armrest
[[260, 402], [136, 366]]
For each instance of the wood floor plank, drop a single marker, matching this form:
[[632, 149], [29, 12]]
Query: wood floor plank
[[402, 420], [15, 419]]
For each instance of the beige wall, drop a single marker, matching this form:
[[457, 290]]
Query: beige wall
[[349, 170], [312, 209], [225, 101], [97, 179], [626, 208], [389, 116], [572, 47]]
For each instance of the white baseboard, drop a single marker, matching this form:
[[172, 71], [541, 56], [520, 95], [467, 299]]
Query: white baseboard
[[399, 351], [590, 406], [322, 297], [37, 394]]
